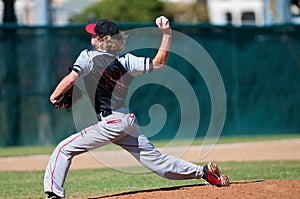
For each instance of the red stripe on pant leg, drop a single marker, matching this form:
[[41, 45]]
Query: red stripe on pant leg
[[114, 121], [52, 174]]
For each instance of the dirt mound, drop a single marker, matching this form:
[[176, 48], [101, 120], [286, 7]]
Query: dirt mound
[[247, 190]]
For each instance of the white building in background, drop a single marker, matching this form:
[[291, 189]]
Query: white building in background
[[251, 12], [236, 12]]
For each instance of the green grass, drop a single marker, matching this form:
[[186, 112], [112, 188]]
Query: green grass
[[97, 182], [36, 150], [230, 139], [25, 150]]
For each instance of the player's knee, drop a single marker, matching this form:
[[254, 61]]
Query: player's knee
[[63, 149]]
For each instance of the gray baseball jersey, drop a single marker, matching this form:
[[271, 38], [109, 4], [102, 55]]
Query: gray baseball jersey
[[109, 76]]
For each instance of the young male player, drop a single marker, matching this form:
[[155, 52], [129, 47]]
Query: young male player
[[107, 76]]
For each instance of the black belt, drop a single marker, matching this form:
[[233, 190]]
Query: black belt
[[103, 114]]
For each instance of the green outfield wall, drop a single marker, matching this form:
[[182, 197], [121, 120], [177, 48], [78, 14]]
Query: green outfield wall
[[260, 69]]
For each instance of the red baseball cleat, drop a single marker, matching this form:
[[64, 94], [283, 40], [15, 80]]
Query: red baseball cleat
[[213, 176]]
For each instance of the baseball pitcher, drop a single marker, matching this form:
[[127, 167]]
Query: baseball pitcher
[[107, 76]]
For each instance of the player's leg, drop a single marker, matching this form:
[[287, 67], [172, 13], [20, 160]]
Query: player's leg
[[112, 127], [60, 160], [164, 165], [168, 166]]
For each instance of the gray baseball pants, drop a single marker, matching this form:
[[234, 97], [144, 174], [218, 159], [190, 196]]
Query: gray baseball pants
[[122, 129]]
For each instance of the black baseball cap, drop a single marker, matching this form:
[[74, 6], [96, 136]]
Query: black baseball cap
[[102, 28]]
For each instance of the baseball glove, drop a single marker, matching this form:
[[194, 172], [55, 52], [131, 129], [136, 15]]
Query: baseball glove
[[69, 98]]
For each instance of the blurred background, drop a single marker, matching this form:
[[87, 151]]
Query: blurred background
[[255, 45]]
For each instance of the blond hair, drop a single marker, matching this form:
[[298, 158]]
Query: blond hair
[[113, 44]]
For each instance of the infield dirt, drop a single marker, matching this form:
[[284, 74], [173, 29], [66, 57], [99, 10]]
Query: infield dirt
[[276, 189]]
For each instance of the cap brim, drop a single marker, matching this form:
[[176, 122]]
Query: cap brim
[[90, 28]]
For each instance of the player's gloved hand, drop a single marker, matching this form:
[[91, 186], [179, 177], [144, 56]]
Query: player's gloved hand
[[69, 98]]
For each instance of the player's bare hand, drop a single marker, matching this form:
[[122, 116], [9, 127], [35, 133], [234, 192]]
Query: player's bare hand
[[163, 24]]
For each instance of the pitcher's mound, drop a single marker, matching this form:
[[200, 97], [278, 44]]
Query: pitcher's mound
[[275, 189]]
